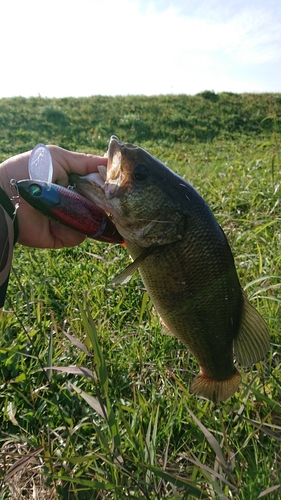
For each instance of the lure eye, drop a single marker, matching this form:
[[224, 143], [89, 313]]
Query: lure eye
[[140, 173], [35, 190]]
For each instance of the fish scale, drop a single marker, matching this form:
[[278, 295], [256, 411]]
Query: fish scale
[[184, 306]]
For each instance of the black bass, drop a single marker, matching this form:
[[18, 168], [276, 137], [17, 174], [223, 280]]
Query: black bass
[[185, 262], [70, 209]]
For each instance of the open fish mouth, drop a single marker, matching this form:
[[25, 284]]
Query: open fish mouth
[[115, 148], [96, 181], [99, 177], [102, 186]]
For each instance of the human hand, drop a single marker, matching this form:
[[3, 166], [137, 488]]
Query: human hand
[[36, 230]]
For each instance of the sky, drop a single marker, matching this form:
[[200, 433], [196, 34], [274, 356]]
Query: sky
[[62, 48]]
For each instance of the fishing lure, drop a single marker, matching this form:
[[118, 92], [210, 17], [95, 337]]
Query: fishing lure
[[61, 204]]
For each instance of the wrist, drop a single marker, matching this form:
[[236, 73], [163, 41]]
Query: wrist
[[4, 180], [16, 168], [5, 199]]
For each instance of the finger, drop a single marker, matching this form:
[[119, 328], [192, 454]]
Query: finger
[[64, 237], [67, 162]]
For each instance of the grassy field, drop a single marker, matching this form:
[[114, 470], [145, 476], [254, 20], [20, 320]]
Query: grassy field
[[95, 400]]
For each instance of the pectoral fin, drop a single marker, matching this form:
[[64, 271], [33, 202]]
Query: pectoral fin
[[126, 275], [252, 341]]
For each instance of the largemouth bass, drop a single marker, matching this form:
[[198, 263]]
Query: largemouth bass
[[70, 209], [185, 262]]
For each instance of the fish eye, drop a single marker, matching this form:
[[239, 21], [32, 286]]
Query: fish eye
[[140, 173], [35, 190]]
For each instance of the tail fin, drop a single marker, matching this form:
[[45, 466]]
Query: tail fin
[[252, 341], [216, 390]]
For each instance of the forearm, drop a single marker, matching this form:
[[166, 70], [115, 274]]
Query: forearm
[[8, 236]]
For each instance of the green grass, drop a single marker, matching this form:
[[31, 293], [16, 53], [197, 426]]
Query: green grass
[[87, 123], [126, 425]]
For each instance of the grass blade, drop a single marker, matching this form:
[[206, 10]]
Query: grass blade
[[210, 438], [178, 481], [91, 400]]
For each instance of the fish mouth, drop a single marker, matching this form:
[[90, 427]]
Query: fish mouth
[[114, 160], [114, 167], [115, 149], [102, 186], [98, 178], [91, 186], [114, 146]]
